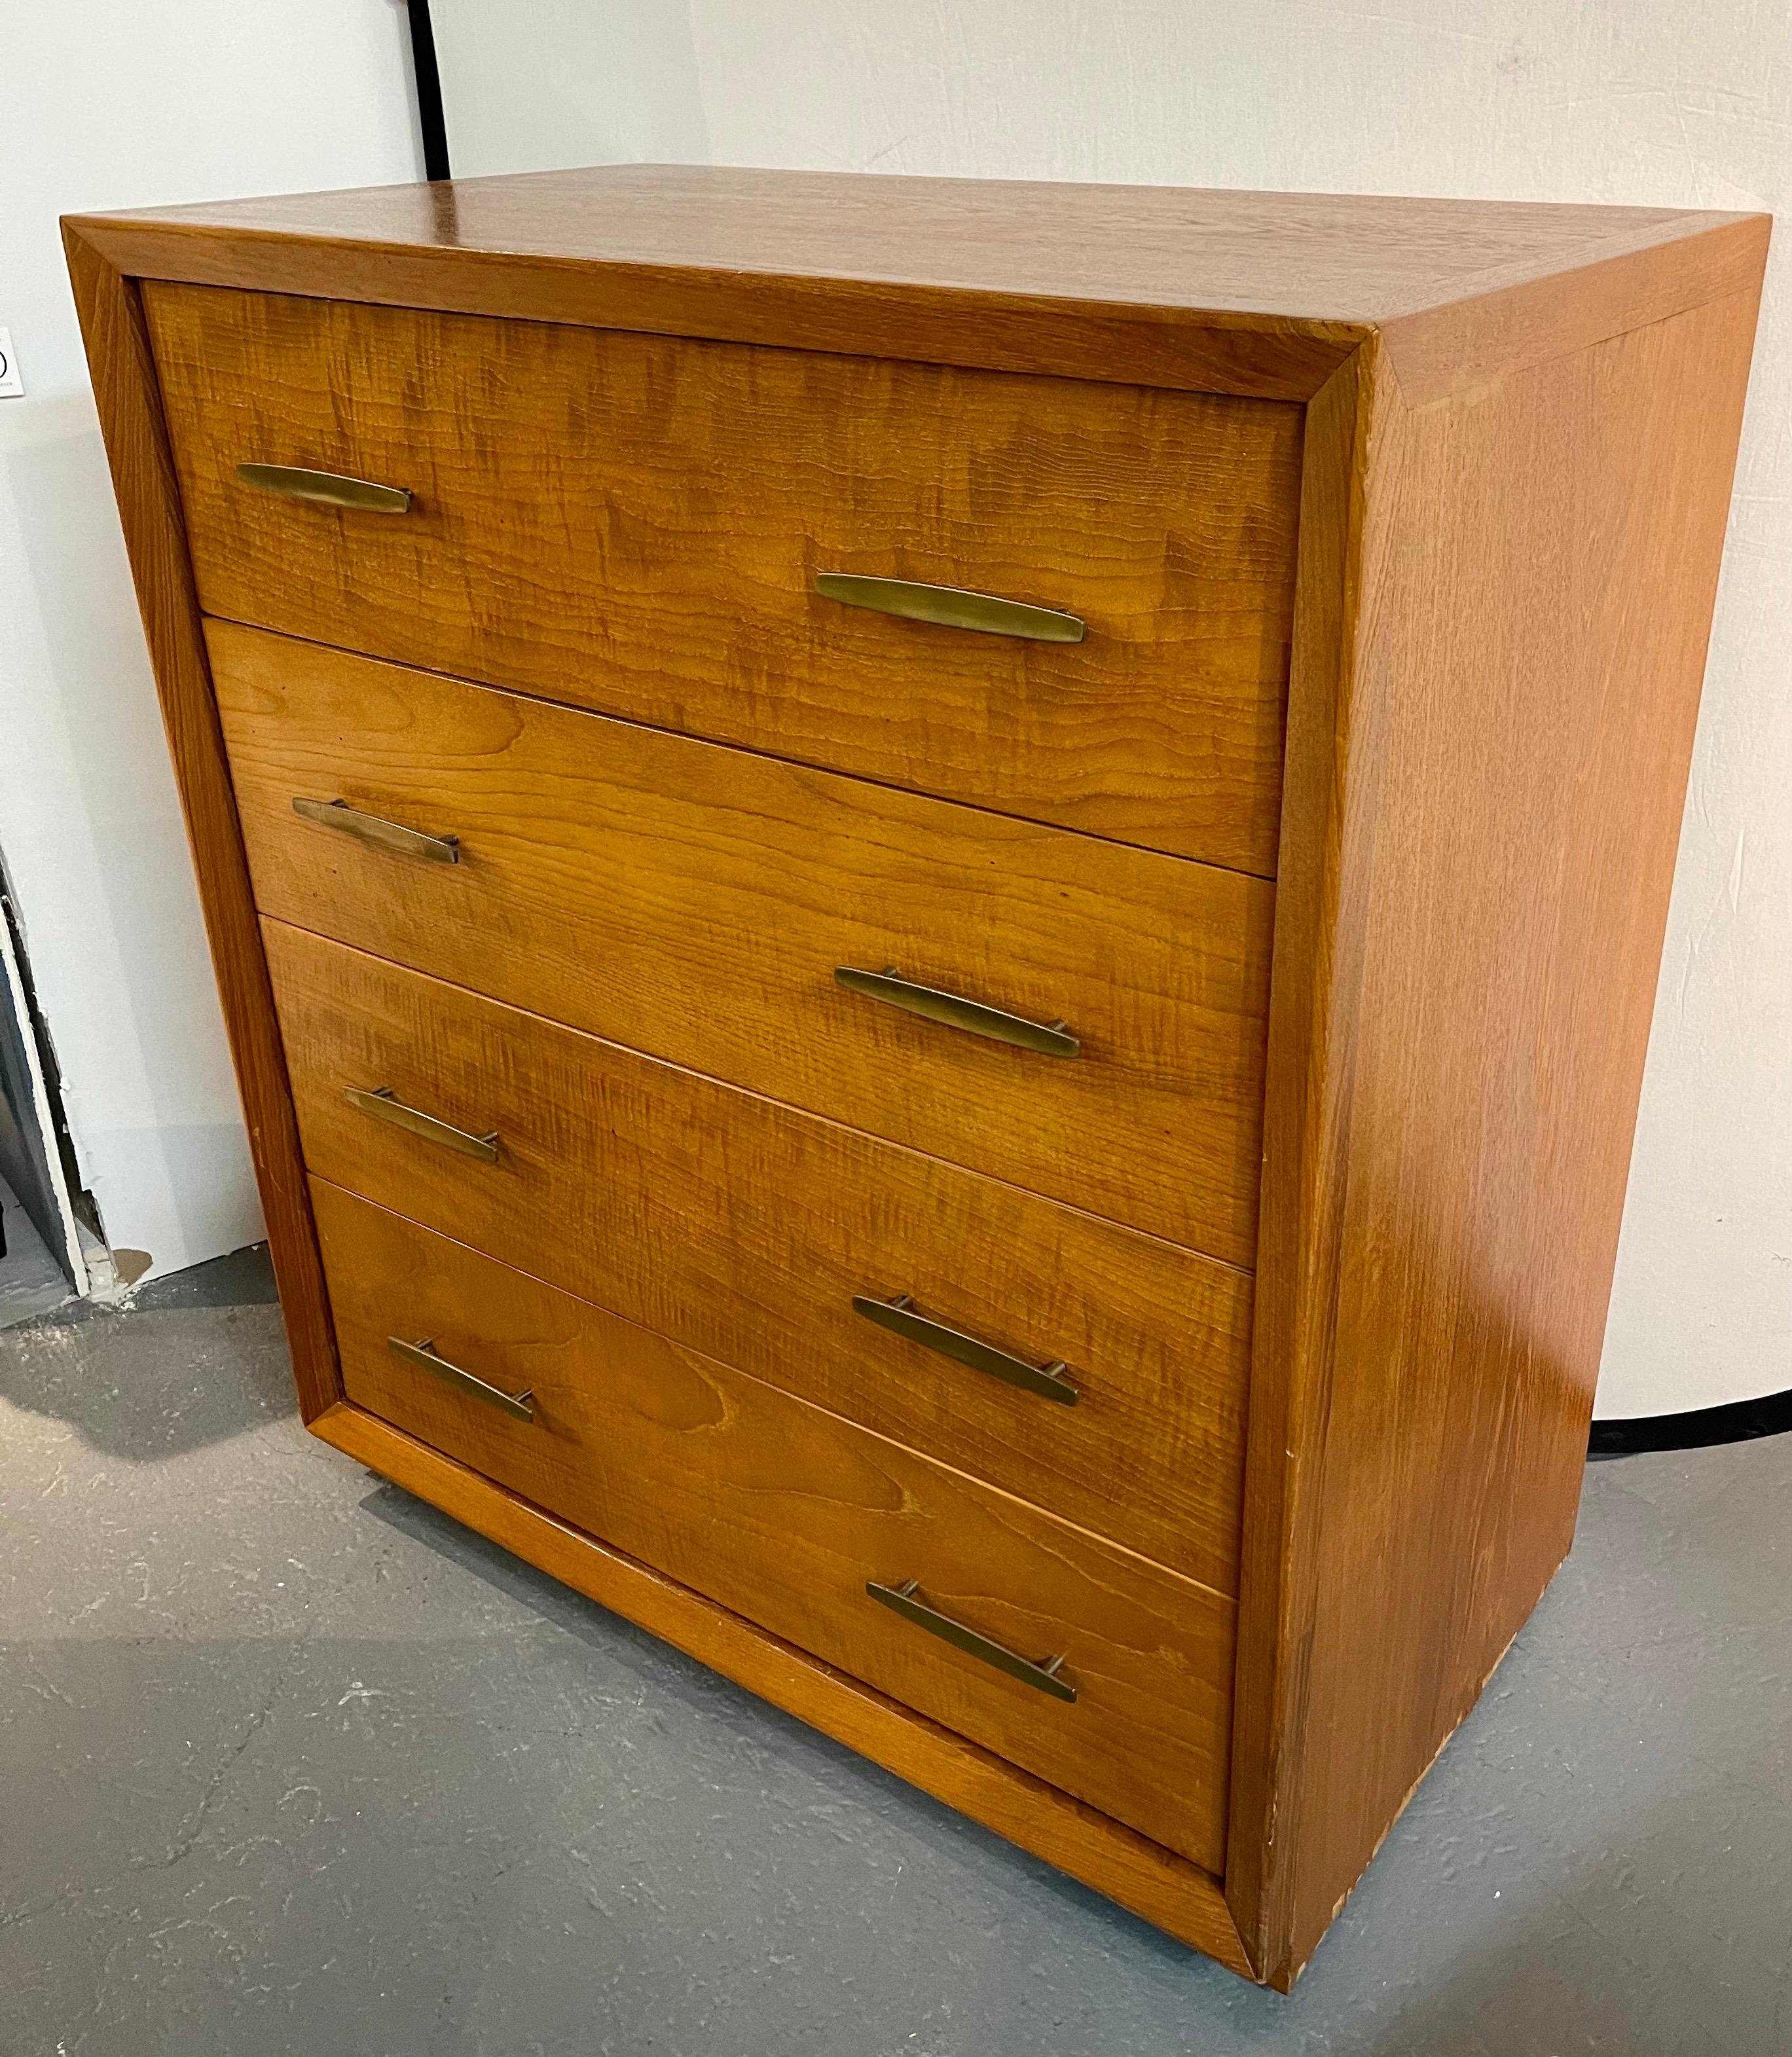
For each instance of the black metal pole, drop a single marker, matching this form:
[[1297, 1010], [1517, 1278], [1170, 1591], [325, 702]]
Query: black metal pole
[[429, 92]]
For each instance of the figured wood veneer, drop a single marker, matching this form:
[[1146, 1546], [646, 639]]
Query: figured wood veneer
[[782, 1511], [1518, 428], [635, 523], [693, 902], [742, 1228]]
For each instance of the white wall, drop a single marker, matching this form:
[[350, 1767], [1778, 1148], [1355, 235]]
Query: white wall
[[1633, 100], [540, 85], [1657, 102], [104, 104]]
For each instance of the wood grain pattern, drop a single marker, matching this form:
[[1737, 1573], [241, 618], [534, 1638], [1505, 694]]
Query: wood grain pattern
[[1513, 319], [744, 1230], [693, 903], [1318, 958], [1517, 443], [1493, 842], [149, 509], [1228, 292], [781, 1512], [1160, 1886], [1057, 337], [634, 524]]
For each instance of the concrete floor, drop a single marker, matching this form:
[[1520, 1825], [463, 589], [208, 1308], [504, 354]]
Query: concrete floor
[[294, 1766]]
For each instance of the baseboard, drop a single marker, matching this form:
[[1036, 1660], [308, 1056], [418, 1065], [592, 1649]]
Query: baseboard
[[1696, 1428]]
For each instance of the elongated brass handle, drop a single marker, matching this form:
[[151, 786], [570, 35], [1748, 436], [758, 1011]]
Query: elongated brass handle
[[376, 829], [422, 1354], [1050, 1039], [384, 1105], [951, 607], [327, 488], [898, 1316], [1045, 1674]]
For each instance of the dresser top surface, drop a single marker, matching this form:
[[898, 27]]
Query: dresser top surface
[[1354, 260]]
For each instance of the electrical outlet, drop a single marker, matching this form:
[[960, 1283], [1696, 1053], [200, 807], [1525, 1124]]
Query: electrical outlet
[[12, 386]]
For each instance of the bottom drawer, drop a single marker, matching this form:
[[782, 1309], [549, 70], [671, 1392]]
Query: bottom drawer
[[787, 1514]]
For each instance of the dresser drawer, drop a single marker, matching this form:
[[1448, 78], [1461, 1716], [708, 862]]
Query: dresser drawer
[[747, 1231], [695, 902], [636, 523], [785, 1513]]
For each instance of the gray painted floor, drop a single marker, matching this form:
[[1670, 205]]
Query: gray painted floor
[[294, 1766]]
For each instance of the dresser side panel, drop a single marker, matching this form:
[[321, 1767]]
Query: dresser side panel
[[129, 401], [1540, 560]]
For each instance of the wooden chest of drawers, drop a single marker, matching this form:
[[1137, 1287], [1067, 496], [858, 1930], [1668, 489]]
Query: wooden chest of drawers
[[938, 906]]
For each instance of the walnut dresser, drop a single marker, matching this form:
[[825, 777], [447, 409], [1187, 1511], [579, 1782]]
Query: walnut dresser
[[938, 904]]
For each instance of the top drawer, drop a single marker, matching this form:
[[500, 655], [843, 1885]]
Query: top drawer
[[635, 523]]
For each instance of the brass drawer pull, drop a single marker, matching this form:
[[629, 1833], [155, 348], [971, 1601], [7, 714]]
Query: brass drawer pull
[[899, 1317], [951, 607], [1050, 1039], [327, 488], [423, 1356], [382, 1104], [1045, 1675], [375, 828]]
